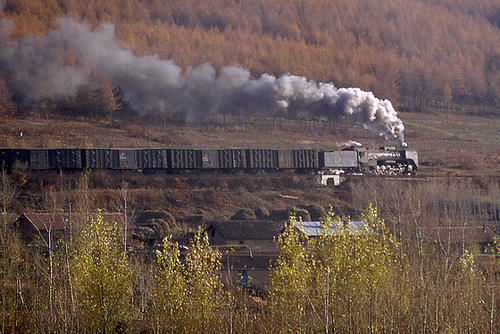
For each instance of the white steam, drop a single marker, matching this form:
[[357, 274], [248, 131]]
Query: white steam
[[70, 56]]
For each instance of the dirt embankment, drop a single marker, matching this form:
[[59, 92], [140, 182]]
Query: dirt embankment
[[448, 146]]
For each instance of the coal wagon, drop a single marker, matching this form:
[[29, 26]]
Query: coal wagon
[[386, 160]]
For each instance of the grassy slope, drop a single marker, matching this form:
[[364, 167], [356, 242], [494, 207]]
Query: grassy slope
[[454, 145], [457, 143]]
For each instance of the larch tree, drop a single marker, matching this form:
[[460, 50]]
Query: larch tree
[[106, 101]]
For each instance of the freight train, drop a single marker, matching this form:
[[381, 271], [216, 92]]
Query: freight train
[[386, 160]]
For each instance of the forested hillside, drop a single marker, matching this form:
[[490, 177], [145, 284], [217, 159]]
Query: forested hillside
[[422, 55], [428, 259]]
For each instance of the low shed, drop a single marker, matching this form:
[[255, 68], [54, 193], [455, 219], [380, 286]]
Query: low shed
[[257, 235], [33, 226], [247, 249]]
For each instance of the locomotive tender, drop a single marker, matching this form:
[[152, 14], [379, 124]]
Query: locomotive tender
[[386, 160]]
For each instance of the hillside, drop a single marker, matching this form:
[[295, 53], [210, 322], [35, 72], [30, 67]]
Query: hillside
[[276, 74], [422, 55], [69, 79], [452, 146]]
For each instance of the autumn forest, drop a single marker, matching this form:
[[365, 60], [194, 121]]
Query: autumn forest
[[426, 55], [149, 73]]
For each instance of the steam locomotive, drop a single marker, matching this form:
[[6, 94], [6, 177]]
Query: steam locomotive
[[384, 161]]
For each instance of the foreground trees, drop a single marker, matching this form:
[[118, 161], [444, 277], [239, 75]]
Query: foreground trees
[[186, 294], [341, 281], [102, 277], [382, 278], [361, 282]]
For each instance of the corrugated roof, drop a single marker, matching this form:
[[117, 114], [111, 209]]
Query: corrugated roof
[[458, 234], [247, 230], [62, 220], [313, 228]]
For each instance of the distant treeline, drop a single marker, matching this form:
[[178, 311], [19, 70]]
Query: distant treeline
[[422, 55]]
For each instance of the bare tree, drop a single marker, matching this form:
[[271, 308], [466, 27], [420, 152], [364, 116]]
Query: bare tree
[[8, 190], [124, 195]]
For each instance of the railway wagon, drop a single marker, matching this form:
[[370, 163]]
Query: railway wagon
[[41, 159], [66, 158], [100, 158], [231, 159], [109, 158], [210, 159], [262, 159], [127, 158], [301, 160], [38, 159], [184, 159], [151, 159], [10, 156]]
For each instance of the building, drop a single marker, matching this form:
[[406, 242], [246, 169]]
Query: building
[[35, 228], [247, 249], [313, 229], [256, 235]]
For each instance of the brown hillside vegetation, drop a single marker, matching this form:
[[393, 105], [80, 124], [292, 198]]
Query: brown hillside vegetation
[[454, 145], [427, 259], [458, 145], [419, 54]]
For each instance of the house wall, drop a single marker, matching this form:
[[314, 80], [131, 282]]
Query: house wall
[[252, 263], [247, 268], [257, 245], [255, 277], [25, 230], [260, 245], [215, 238]]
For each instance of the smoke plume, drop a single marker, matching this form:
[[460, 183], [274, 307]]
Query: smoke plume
[[60, 63]]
